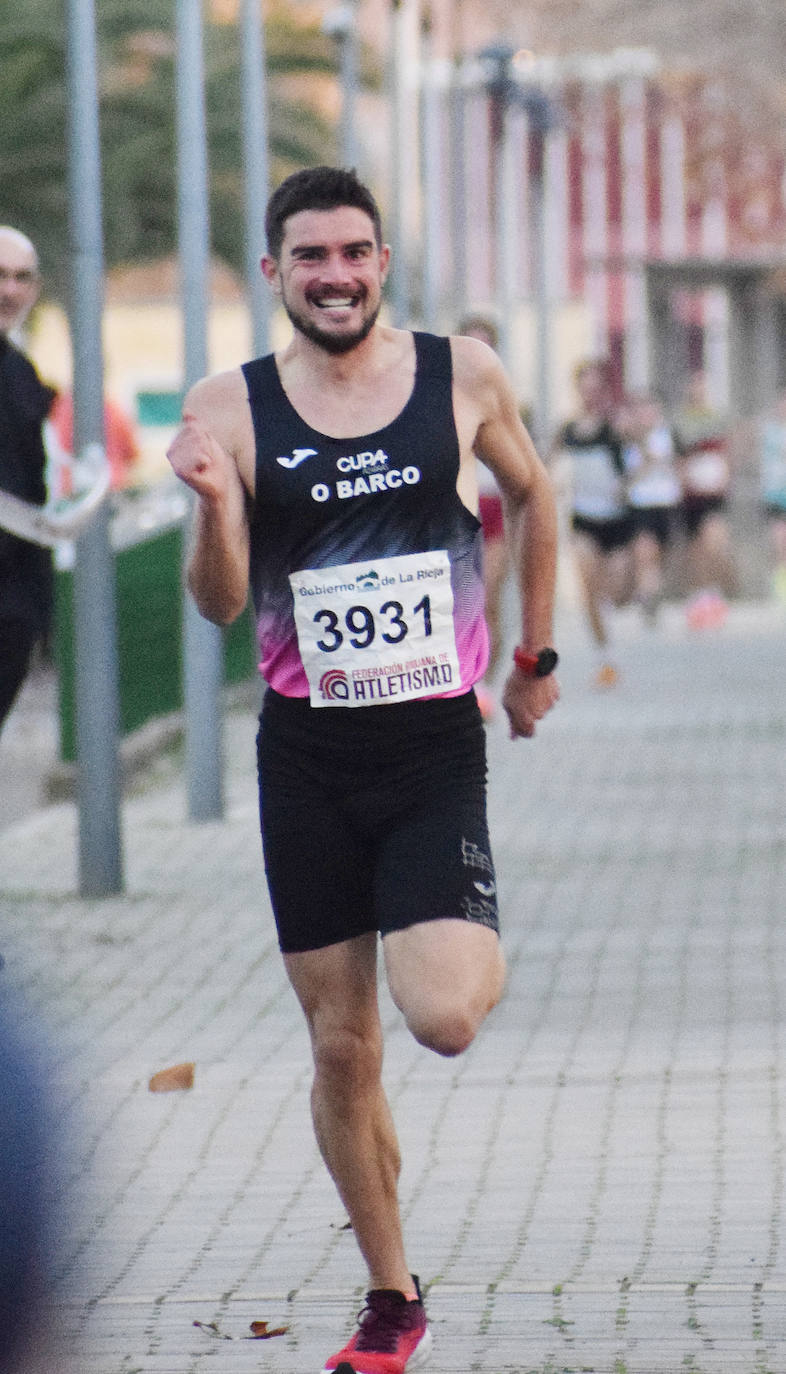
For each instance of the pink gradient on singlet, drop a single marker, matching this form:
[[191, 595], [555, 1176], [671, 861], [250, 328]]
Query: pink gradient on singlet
[[282, 669]]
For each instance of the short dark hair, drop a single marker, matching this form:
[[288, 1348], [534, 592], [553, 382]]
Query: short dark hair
[[317, 188]]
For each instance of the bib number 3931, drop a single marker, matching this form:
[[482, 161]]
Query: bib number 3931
[[376, 632]]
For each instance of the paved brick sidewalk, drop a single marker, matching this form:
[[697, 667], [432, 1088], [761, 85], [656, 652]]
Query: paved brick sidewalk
[[598, 1185]]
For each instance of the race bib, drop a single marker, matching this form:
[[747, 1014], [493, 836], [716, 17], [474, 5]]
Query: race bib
[[371, 633]]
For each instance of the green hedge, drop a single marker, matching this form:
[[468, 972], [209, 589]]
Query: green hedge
[[149, 610]]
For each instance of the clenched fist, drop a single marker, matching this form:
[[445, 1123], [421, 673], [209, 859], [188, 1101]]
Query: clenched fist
[[200, 461]]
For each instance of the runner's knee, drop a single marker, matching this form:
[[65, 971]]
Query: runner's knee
[[448, 1026], [347, 1060], [447, 1031], [445, 989]]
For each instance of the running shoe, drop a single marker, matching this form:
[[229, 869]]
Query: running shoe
[[707, 611], [392, 1336]]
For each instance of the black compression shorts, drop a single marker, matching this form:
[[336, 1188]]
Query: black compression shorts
[[696, 509], [608, 535], [655, 520], [373, 818]]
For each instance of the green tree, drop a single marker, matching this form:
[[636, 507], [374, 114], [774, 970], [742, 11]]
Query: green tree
[[137, 99]]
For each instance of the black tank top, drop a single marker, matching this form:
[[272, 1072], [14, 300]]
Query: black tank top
[[322, 503]]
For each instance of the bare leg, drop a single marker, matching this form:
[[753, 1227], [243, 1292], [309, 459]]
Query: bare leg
[[589, 563], [337, 989], [712, 555], [619, 575], [445, 976], [778, 540], [648, 561]]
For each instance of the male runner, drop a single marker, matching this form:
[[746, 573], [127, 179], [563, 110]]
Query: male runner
[[587, 458], [703, 447], [771, 443], [653, 494], [337, 478]]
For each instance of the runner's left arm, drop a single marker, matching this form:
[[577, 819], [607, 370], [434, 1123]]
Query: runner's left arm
[[503, 444]]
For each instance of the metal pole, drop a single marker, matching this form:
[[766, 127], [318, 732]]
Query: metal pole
[[257, 172], [504, 231], [340, 24], [542, 401], [458, 196], [433, 234], [202, 642], [349, 84], [97, 709], [497, 60], [398, 267]]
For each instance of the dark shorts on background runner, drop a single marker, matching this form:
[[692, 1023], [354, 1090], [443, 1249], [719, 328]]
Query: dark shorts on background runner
[[696, 509], [373, 818], [607, 534], [655, 520]]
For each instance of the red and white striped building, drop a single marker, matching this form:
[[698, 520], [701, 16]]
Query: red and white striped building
[[665, 220], [651, 172], [662, 201]]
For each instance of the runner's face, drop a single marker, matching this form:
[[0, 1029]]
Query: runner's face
[[18, 280], [329, 275]]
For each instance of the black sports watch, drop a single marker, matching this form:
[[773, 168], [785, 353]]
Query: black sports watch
[[536, 665]]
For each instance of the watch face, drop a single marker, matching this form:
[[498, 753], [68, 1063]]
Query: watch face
[[547, 662]]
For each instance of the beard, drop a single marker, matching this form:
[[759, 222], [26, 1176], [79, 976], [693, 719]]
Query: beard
[[331, 343]]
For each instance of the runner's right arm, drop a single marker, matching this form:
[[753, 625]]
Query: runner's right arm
[[210, 454]]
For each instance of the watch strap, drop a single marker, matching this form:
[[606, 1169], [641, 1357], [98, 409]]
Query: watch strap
[[536, 665]]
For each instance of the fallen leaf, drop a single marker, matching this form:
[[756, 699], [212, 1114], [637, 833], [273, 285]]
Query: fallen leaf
[[175, 1079], [260, 1331], [211, 1329]]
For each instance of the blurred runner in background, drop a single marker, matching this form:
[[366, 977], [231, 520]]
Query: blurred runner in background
[[120, 443], [772, 460], [589, 470], [653, 493], [701, 438]]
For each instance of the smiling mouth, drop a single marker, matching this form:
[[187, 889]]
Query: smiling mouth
[[337, 302]]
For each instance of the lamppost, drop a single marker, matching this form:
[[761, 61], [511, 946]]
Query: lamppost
[[399, 273], [435, 80], [496, 68], [542, 116], [256, 166], [97, 691], [340, 24], [502, 79], [202, 643]]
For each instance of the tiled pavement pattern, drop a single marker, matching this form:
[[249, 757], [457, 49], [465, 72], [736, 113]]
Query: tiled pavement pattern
[[598, 1185]]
